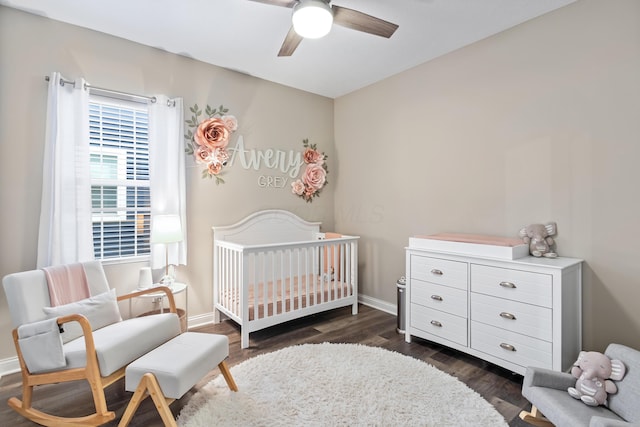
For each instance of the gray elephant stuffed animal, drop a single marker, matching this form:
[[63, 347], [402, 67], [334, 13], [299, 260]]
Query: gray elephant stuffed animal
[[538, 237], [593, 372]]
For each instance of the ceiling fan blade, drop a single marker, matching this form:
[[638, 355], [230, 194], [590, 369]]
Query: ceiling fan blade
[[290, 43], [362, 22], [283, 3]]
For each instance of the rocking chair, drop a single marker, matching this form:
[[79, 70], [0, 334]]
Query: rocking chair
[[102, 347]]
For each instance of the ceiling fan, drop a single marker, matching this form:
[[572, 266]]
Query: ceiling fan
[[327, 15]]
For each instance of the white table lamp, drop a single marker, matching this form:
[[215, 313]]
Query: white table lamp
[[166, 229]]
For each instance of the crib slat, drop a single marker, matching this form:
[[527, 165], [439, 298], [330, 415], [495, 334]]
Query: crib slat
[[225, 278], [232, 279], [340, 277], [277, 283], [317, 283], [337, 280], [249, 280], [261, 281], [242, 296], [281, 283], [291, 298], [299, 277], [337, 287], [350, 273], [346, 275], [222, 291], [274, 284], [228, 280], [308, 279], [271, 284]]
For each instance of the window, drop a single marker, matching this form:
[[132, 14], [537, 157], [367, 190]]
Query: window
[[119, 168], [108, 169]]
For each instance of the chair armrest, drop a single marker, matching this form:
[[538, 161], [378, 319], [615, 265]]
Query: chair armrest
[[607, 422], [92, 359], [86, 330], [154, 290], [540, 377]]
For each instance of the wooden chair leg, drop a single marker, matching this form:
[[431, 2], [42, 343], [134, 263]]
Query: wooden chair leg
[[149, 387], [138, 396], [535, 418], [27, 394], [226, 373], [97, 387]]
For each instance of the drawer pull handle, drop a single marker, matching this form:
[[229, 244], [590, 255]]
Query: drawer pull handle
[[436, 323], [507, 346], [436, 272], [436, 297], [507, 285], [507, 315]]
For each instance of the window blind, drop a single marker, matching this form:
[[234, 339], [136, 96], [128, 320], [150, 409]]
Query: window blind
[[119, 166]]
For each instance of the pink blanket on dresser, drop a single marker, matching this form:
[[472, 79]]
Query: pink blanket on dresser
[[475, 238], [67, 283]]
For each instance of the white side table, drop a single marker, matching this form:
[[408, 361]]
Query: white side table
[[159, 297]]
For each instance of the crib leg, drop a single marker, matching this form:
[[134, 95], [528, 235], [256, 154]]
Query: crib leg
[[244, 340], [354, 308], [216, 315]]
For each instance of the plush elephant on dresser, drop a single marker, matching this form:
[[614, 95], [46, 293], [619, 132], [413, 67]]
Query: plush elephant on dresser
[[538, 237]]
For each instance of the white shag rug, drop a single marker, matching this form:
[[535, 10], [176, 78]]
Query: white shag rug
[[338, 385]]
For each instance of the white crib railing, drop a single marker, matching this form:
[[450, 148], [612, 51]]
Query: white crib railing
[[259, 286]]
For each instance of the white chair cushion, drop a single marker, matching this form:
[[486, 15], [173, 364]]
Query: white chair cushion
[[120, 343], [180, 363]]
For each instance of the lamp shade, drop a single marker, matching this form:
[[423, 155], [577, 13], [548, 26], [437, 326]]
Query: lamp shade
[[166, 229], [312, 18]]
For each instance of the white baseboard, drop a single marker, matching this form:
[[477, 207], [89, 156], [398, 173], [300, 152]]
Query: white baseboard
[[11, 365], [200, 320], [378, 304]]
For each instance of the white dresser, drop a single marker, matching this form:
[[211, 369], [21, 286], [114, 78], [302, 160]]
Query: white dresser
[[513, 313]]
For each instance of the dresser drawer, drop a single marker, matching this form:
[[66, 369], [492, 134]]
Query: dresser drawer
[[526, 319], [511, 346], [439, 323], [439, 297], [516, 285], [440, 271]]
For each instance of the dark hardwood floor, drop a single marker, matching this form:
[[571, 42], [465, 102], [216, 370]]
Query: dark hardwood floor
[[370, 327]]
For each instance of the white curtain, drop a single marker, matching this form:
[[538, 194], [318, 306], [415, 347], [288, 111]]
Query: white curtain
[[65, 233], [167, 174]]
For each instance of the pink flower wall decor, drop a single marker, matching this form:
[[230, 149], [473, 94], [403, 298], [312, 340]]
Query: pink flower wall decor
[[314, 174], [208, 139]]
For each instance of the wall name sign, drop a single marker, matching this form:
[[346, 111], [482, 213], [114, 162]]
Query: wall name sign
[[288, 163], [208, 143]]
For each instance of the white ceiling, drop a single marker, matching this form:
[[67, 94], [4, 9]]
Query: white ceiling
[[245, 36]]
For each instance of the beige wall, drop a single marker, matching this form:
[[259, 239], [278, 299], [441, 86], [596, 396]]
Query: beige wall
[[270, 116], [538, 123]]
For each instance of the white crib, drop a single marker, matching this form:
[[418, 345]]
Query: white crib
[[273, 266]]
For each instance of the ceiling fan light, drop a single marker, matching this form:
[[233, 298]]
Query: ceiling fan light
[[312, 19]]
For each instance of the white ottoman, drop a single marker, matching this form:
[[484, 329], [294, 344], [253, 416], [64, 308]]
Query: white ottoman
[[169, 371]]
